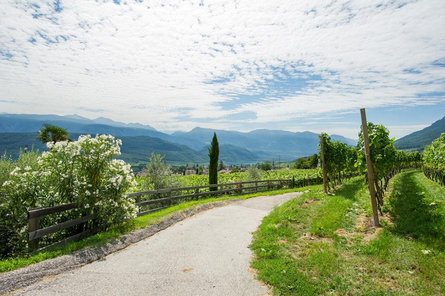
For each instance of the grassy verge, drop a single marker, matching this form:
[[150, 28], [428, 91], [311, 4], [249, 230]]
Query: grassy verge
[[103, 238], [325, 244]]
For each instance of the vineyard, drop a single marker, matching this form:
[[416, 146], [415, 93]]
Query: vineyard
[[340, 160], [323, 244], [200, 180]]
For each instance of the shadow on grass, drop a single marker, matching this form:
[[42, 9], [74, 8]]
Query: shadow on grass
[[332, 212], [349, 190], [414, 214]]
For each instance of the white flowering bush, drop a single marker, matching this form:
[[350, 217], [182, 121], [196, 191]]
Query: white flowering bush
[[83, 172]]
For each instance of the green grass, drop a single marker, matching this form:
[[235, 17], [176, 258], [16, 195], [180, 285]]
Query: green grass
[[319, 244], [418, 209], [113, 232]]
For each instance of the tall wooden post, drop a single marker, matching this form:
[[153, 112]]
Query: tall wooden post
[[323, 165], [369, 168]]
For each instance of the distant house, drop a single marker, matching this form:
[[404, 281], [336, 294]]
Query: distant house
[[223, 171], [141, 174], [190, 172]]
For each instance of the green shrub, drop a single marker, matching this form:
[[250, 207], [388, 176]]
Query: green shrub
[[82, 171]]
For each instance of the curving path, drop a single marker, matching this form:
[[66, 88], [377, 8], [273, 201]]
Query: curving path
[[206, 254]]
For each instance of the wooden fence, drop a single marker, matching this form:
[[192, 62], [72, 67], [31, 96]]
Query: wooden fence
[[147, 202]]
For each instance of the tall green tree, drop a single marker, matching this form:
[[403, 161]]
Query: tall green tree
[[213, 164], [158, 173], [52, 133]]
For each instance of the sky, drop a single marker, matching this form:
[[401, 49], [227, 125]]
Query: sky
[[234, 65]]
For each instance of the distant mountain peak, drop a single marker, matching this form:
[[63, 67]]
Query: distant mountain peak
[[75, 116]]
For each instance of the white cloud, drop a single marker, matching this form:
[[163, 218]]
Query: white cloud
[[152, 61]]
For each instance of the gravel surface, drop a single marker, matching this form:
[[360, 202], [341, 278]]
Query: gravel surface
[[206, 254]]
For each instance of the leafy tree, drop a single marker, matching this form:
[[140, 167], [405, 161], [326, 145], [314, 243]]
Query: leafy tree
[[265, 166], [236, 169], [199, 169], [309, 162], [52, 133], [213, 164], [158, 173], [253, 174]]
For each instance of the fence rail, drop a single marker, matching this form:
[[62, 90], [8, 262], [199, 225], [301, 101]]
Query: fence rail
[[147, 202]]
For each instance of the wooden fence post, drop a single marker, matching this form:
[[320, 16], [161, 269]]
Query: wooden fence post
[[34, 224], [323, 165], [369, 168]]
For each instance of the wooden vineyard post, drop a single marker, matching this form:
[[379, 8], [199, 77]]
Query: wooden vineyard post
[[369, 168], [323, 164]]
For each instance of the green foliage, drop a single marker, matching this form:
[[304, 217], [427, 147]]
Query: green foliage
[[52, 133], [24, 160], [253, 174], [351, 160], [383, 153], [6, 167], [310, 162], [158, 174], [202, 180], [236, 169], [83, 172], [213, 164], [265, 166], [339, 158], [434, 160]]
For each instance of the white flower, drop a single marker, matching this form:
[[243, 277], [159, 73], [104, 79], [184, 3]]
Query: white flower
[[6, 183], [426, 252], [15, 171]]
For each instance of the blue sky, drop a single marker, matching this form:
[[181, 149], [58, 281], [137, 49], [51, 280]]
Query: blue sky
[[239, 65]]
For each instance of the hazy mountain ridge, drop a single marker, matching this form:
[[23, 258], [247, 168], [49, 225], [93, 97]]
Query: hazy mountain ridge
[[138, 143], [418, 140], [12, 123], [277, 144], [136, 149]]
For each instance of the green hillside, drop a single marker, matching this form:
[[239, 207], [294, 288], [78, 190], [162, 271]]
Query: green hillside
[[418, 140]]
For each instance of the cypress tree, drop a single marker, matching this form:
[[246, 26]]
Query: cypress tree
[[213, 165]]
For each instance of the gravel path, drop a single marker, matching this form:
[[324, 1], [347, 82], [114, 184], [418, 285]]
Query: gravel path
[[206, 254]]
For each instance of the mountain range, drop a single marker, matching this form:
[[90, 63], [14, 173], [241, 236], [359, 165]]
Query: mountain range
[[418, 140], [18, 130]]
